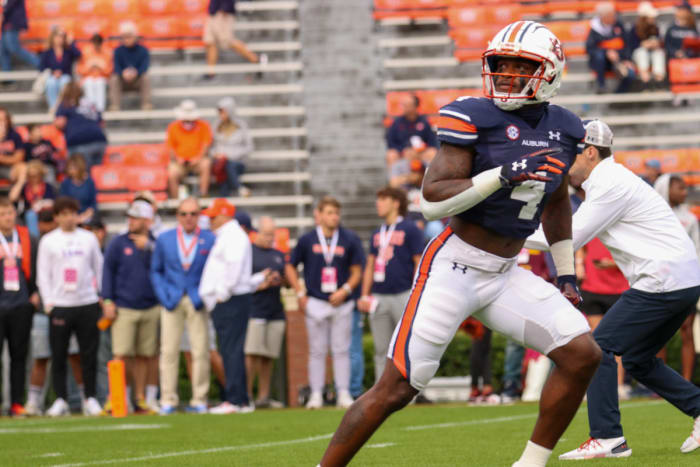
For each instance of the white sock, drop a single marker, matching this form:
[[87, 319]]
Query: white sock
[[151, 393], [34, 395], [535, 455]]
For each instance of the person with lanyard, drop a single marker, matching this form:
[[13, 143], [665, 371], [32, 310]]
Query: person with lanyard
[[176, 269], [69, 276], [332, 257], [18, 298], [394, 252]]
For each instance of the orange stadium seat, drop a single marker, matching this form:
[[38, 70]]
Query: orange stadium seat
[[194, 6], [150, 155], [48, 9], [465, 17], [40, 29], [122, 9], [115, 155], [55, 136], [572, 34], [110, 181], [191, 30], [561, 6], [142, 178], [84, 8], [160, 32], [633, 160], [471, 42], [281, 241], [86, 28], [159, 8], [684, 74]]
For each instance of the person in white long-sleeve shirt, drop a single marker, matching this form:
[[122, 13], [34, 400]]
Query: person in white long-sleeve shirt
[[226, 287], [69, 274], [659, 260]]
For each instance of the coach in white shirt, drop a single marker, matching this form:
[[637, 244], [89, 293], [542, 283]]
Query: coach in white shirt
[[69, 275], [657, 257], [226, 287]]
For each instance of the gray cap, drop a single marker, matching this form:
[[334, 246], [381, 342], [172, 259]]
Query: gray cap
[[598, 133]]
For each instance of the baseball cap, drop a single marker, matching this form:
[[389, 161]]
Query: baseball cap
[[141, 209], [244, 220], [598, 133], [220, 207]]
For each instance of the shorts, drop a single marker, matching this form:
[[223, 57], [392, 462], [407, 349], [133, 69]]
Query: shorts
[[264, 338], [185, 340], [456, 280], [597, 303], [218, 29], [40, 338], [135, 332]]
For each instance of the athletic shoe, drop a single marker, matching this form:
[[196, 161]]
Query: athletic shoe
[[345, 400], [315, 401], [250, 408], [142, 408], [32, 409], [594, 448], [17, 410], [268, 404], [58, 408], [623, 392], [167, 410], [225, 408], [198, 409], [693, 441], [91, 407]]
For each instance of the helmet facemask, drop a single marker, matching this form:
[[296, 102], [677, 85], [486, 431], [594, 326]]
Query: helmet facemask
[[508, 100]]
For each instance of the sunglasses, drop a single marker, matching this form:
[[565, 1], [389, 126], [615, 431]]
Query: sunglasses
[[188, 214]]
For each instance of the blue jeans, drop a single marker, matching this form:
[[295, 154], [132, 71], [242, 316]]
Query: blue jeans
[[599, 63], [54, 86], [637, 326], [512, 367], [31, 220], [231, 323], [93, 153], [10, 46], [357, 358], [234, 170]]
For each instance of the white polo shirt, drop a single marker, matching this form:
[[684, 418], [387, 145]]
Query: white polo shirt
[[633, 221]]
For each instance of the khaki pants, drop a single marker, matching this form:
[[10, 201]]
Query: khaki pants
[[171, 327], [142, 84]]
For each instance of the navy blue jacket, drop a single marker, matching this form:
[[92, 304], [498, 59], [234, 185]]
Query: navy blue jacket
[[136, 56], [674, 40], [125, 275], [170, 280], [597, 41], [14, 15], [85, 193], [227, 6], [70, 55], [398, 136]]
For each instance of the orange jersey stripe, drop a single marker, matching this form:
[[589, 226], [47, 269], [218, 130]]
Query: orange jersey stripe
[[451, 123], [616, 43], [399, 355], [514, 32]]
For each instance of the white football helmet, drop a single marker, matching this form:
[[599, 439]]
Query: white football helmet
[[531, 41]]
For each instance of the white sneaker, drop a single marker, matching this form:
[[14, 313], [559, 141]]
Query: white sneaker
[[59, 408], [32, 409], [91, 407], [594, 448], [693, 441], [623, 392], [225, 408], [315, 401], [250, 408], [345, 400]]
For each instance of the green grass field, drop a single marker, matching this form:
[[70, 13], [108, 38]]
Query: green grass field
[[418, 436]]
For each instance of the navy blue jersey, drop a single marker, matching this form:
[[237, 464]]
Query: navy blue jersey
[[406, 242], [499, 137], [267, 304], [348, 253]]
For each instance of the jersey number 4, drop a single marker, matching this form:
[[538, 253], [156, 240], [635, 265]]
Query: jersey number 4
[[531, 193]]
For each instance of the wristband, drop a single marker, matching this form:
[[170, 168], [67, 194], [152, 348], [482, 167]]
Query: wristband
[[346, 287], [484, 185], [563, 257], [301, 294]]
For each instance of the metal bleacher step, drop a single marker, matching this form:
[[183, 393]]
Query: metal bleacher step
[[267, 5], [269, 177], [418, 41]]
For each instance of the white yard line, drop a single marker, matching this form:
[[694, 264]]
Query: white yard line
[[77, 429], [380, 445], [200, 451], [50, 454]]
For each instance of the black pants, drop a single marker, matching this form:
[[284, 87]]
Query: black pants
[[480, 359], [231, 323], [16, 327], [83, 321]]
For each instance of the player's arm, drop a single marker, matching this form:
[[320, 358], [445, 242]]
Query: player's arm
[[448, 190]]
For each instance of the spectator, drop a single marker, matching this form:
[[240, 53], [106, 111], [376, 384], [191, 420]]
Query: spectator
[[98, 228], [129, 300], [14, 21], [232, 146], [176, 269], [59, 57], [607, 49], [69, 265], [263, 342], [41, 149], [683, 28], [394, 252], [410, 136], [157, 227], [646, 46], [218, 32], [82, 125], [332, 257], [675, 191], [12, 165], [131, 62], [95, 68], [226, 288], [188, 141], [18, 299], [652, 171], [79, 186], [35, 195]]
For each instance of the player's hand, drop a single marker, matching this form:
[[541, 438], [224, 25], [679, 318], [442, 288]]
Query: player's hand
[[364, 304], [569, 289], [525, 169], [302, 301], [109, 310], [338, 297]]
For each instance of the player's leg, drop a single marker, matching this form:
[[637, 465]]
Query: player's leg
[[687, 346], [533, 311]]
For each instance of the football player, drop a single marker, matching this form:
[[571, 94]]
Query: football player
[[501, 169]]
